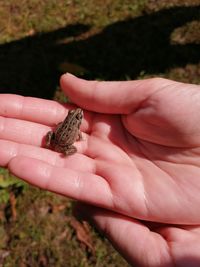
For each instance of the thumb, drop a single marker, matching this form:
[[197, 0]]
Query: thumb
[[119, 97]]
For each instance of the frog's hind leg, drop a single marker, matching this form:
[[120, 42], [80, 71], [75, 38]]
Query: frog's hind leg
[[70, 150], [66, 150]]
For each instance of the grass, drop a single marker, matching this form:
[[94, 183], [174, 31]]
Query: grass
[[112, 39]]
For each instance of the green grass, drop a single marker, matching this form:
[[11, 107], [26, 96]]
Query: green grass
[[112, 39]]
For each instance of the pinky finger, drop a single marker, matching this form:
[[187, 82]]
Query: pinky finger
[[134, 241], [82, 186]]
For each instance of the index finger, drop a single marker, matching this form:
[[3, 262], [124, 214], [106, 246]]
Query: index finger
[[32, 109]]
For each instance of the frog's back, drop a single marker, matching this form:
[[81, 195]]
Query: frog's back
[[67, 131]]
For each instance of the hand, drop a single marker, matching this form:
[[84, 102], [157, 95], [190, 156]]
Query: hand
[[146, 244], [139, 156]]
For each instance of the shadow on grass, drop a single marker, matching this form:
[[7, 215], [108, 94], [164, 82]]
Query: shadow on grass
[[30, 66]]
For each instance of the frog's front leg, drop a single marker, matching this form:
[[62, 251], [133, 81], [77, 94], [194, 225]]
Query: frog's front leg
[[79, 136], [49, 138]]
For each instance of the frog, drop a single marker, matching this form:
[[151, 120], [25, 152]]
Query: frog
[[62, 138]]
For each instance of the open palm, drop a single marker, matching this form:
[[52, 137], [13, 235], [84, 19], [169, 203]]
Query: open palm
[[140, 150]]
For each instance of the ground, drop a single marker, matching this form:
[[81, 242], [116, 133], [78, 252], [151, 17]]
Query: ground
[[94, 39]]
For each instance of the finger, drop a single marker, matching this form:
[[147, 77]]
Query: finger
[[26, 132], [82, 186], [132, 239], [23, 131], [41, 111], [30, 133], [110, 97], [78, 162], [32, 109]]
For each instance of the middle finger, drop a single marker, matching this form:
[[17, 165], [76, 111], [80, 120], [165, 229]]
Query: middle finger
[[77, 161]]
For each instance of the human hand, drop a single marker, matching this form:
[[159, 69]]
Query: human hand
[[139, 156], [144, 243]]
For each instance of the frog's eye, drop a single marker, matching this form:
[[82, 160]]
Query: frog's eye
[[78, 116], [70, 112]]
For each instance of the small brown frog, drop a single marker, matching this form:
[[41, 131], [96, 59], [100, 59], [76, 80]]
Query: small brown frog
[[66, 133]]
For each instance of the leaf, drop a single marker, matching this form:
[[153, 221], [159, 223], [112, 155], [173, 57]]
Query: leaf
[[6, 182], [82, 233], [3, 254], [13, 206]]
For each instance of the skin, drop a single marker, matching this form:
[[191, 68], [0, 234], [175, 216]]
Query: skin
[[138, 162]]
